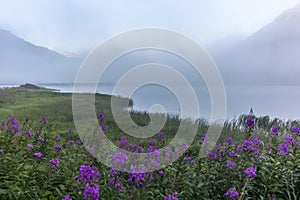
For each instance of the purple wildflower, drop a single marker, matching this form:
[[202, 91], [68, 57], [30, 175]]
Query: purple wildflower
[[44, 120], [4, 127], [230, 165], [119, 159], [88, 174], [295, 129], [250, 123], [254, 149], [14, 128], [30, 146], [70, 142], [289, 140], [1, 151], [204, 139], [229, 140], [104, 128], [111, 181], [262, 158], [58, 148], [123, 142], [275, 130], [12, 120], [283, 149], [232, 154], [256, 141], [250, 172], [171, 197], [151, 143], [212, 155], [184, 146], [232, 194], [54, 162], [247, 144], [138, 175], [29, 134], [100, 116], [57, 137], [91, 192], [41, 139], [160, 134], [38, 155], [160, 173]]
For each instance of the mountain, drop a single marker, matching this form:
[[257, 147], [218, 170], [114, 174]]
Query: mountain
[[269, 56], [21, 61]]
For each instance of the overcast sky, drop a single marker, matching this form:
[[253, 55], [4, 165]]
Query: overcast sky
[[78, 26]]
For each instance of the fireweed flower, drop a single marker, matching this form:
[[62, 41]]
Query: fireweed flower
[[88, 174], [119, 159], [29, 134], [44, 120], [184, 146], [256, 141], [275, 131], [204, 139], [58, 148], [38, 155], [137, 175], [171, 197], [283, 149], [289, 140], [54, 162], [3, 127], [123, 142], [255, 150], [160, 134], [250, 123], [70, 142], [250, 172], [232, 154], [100, 116], [229, 140], [14, 128], [12, 121], [57, 137], [247, 144], [160, 173], [262, 158], [230, 165], [104, 128], [212, 155], [151, 143], [231, 194], [295, 129], [189, 160], [91, 192], [29, 146]]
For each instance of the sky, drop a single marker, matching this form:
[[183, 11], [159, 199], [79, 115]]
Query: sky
[[78, 26]]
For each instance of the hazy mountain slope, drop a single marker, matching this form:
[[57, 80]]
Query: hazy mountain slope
[[21, 61], [269, 56]]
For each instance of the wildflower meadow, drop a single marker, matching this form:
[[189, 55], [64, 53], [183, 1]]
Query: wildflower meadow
[[255, 158]]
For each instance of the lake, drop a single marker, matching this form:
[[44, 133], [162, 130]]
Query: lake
[[275, 101]]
